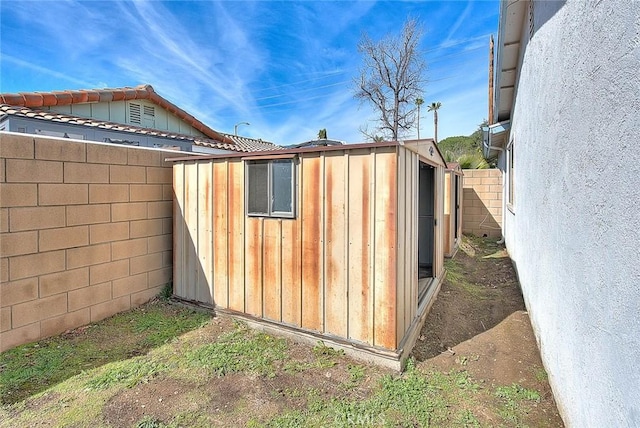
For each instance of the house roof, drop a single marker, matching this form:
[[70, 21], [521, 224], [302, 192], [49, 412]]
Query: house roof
[[226, 142], [141, 92]]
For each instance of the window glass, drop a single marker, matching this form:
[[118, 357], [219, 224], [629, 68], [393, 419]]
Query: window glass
[[282, 179]]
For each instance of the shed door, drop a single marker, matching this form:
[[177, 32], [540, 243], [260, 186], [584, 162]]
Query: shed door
[[425, 220], [457, 206]]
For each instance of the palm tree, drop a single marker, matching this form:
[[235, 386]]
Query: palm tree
[[434, 108], [419, 102]]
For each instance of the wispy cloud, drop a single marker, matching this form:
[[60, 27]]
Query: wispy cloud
[[44, 70]]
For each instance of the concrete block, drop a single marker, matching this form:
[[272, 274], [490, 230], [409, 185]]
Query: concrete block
[[4, 220], [33, 171], [19, 336], [495, 188], [162, 209], [145, 192], [60, 150], [127, 174], [37, 310], [63, 194], [16, 146], [108, 232], [24, 290], [62, 323], [159, 175], [108, 271], [129, 248], [36, 218], [62, 282], [145, 263], [3, 175], [106, 153], [89, 296], [87, 256], [160, 243], [144, 296], [492, 180], [5, 319], [160, 277], [18, 195], [129, 285], [36, 264], [129, 211], [495, 203], [4, 270], [167, 192], [65, 237], [108, 193], [106, 309], [15, 244], [143, 157], [144, 228], [85, 173], [88, 214]]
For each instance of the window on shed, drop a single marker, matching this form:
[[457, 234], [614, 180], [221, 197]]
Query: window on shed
[[270, 188]]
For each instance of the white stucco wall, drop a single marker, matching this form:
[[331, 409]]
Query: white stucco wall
[[575, 234]]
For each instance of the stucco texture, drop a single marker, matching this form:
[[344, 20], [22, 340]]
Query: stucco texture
[[574, 233]]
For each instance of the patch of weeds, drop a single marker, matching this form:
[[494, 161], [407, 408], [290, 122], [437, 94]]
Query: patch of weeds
[[515, 399], [128, 373], [159, 328], [457, 277], [356, 374], [541, 374], [242, 350], [167, 291], [150, 422], [321, 350], [468, 420]]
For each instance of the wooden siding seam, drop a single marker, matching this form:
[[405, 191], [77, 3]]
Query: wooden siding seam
[[346, 236], [372, 244]]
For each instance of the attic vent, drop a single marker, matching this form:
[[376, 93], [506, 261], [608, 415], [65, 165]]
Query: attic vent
[[134, 114], [149, 111]]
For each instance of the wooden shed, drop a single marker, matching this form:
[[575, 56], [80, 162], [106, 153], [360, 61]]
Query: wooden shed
[[342, 244], [452, 208]]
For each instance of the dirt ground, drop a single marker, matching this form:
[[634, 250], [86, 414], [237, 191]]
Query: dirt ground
[[479, 323]]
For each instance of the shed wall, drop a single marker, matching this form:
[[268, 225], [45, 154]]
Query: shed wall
[[332, 269]]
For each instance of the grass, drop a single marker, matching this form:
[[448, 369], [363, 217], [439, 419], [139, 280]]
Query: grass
[[29, 369]]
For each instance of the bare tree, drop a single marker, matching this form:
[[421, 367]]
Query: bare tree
[[391, 78]]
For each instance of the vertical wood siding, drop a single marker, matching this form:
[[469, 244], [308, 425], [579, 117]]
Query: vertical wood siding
[[345, 266]]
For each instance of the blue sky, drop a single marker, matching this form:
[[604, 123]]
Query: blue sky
[[285, 67]]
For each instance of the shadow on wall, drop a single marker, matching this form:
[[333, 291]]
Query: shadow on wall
[[481, 216]]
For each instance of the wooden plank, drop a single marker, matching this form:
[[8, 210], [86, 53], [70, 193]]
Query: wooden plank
[[272, 269], [411, 297], [220, 235], [236, 218], [360, 290], [292, 271], [385, 251], [253, 266], [178, 230], [312, 243], [191, 201], [402, 212], [205, 233], [335, 273]]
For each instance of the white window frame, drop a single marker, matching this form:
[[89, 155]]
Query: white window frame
[[271, 213]]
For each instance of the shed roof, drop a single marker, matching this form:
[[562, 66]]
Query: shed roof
[[426, 148]]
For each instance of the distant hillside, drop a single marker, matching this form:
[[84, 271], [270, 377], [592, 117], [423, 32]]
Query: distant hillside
[[466, 150]]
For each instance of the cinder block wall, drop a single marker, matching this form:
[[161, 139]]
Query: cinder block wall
[[482, 202], [85, 232]]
